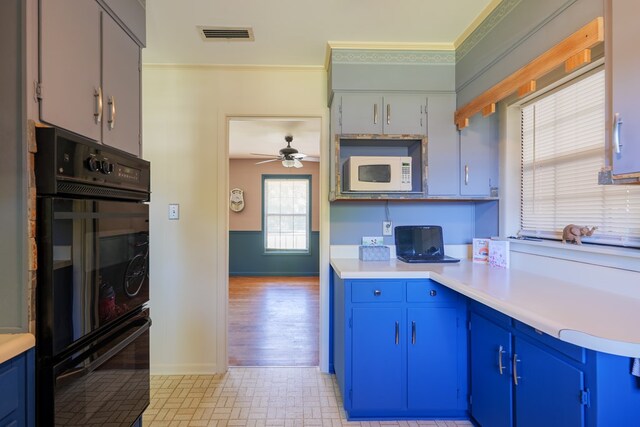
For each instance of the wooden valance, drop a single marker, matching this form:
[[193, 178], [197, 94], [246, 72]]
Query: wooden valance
[[574, 51]]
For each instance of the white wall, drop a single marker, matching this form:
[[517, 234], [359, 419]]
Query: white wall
[[186, 110]]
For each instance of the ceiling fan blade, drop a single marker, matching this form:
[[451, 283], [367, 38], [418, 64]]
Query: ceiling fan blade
[[297, 163], [267, 161], [311, 159], [265, 155]]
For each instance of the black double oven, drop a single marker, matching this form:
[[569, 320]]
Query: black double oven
[[92, 319]]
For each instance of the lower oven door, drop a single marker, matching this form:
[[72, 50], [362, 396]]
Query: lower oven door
[[108, 384]]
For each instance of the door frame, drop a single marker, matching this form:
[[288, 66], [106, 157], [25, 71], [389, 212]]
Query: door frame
[[222, 216]]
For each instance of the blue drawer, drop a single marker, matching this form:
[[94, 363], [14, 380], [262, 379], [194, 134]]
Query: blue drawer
[[377, 291], [429, 291], [570, 350]]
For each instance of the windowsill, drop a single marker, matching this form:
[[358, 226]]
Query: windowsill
[[286, 252], [606, 256]]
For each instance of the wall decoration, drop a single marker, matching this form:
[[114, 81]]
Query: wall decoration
[[236, 200]]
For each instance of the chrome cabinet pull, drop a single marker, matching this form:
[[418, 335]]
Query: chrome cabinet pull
[[388, 114], [466, 174], [413, 332], [397, 333], [515, 369], [375, 114], [97, 94], [377, 292], [617, 121], [500, 353], [112, 111]]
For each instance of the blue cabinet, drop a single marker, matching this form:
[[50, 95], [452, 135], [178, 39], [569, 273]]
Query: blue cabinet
[[490, 348], [17, 386], [399, 348], [377, 114], [522, 377]]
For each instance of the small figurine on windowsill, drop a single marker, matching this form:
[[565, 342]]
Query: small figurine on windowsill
[[573, 233]]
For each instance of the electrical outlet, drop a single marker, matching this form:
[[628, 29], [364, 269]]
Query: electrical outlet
[[174, 211], [387, 228]]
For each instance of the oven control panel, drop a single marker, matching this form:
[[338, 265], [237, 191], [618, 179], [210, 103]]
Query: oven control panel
[[66, 157]]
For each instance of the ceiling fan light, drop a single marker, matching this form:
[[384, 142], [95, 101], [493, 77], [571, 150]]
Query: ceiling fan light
[[287, 163]]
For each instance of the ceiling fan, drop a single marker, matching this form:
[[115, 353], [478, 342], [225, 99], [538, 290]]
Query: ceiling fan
[[289, 156]]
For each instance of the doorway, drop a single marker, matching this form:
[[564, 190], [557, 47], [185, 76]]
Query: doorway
[[273, 309]]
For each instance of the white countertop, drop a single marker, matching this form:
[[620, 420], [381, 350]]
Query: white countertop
[[591, 318], [12, 345]]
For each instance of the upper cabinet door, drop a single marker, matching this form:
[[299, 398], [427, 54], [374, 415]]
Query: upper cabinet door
[[121, 88], [361, 114], [70, 65], [625, 86], [443, 148], [479, 156], [404, 114]]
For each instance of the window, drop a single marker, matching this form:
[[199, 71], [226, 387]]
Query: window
[[287, 207], [563, 137]]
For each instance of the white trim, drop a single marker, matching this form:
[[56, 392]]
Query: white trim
[[476, 22], [223, 237], [233, 67]]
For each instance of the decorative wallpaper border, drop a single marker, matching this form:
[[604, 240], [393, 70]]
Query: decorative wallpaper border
[[364, 56], [494, 18]]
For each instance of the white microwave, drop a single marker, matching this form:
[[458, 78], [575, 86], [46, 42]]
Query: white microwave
[[377, 173]]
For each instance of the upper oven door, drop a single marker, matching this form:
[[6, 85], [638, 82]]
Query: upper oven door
[[94, 267]]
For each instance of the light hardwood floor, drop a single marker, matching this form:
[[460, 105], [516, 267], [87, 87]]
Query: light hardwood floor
[[273, 321]]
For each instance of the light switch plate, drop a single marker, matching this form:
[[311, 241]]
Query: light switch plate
[[174, 211]]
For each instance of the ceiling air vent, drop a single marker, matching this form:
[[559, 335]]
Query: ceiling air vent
[[226, 34]]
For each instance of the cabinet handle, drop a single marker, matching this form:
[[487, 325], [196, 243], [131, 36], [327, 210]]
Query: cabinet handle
[[397, 333], [500, 353], [433, 293], [112, 111], [377, 292], [466, 174], [413, 332], [617, 121], [515, 369], [97, 94], [375, 114], [388, 114]]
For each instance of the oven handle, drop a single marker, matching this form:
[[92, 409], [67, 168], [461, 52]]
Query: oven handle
[[108, 355]]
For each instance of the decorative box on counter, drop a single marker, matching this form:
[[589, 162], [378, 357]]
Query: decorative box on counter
[[374, 253]]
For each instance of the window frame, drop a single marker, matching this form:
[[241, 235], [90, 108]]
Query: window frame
[[619, 241], [308, 178]]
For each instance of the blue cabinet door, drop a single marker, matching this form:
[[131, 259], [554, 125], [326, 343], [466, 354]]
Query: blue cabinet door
[[479, 156], [548, 390], [377, 370], [491, 404], [361, 113], [405, 114], [443, 148], [432, 355]]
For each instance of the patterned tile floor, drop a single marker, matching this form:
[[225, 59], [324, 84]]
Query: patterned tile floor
[[256, 397]]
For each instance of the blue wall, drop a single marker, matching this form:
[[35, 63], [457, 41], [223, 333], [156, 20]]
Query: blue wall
[[460, 221], [248, 258]]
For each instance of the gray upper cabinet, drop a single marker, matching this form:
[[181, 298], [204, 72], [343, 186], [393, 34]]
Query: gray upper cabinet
[[70, 65], [132, 14], [624, 87], [376, 114], [443, 148], [479, 157], [121, 88], [89, 74]]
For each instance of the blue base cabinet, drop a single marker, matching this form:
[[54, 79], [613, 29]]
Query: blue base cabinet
[[17, 391], [399, 349], [520, 376]]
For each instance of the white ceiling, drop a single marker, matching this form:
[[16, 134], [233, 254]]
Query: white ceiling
[[266, 136], [296, 32]]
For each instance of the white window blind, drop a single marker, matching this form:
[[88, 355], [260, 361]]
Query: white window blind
[[563, 137], [286, 214]]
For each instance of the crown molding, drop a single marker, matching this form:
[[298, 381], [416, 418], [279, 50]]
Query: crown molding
[[378, 50], [476, 22], [232, 67]]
